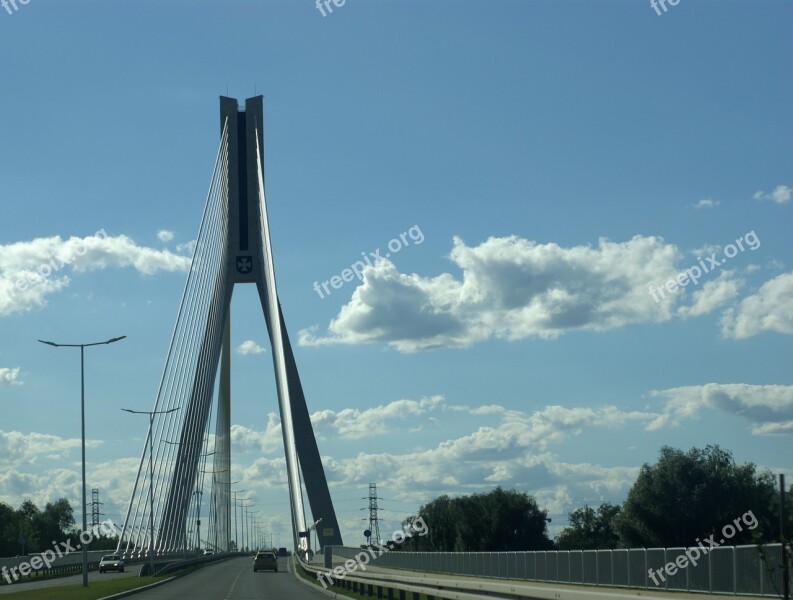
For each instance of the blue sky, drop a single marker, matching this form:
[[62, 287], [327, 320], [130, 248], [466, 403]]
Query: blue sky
[[557, 158]]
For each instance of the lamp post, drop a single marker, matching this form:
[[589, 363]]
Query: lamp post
[[313, 526], [252, 520], [151, 414], [245, 521], [255, 536], [236, 530], [82, 348], [200, 494]]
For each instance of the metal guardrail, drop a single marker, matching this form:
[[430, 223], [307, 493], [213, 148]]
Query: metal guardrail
[[447, 587], [726, 569], [73, 563]]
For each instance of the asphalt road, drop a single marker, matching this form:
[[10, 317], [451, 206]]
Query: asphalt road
[[234, 579], [130, 571]]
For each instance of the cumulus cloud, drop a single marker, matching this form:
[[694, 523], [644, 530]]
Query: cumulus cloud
[[768, 407], [500, 446], [508, 447], [9, 376], [505, 446], [186, 248], [164, 235], [769, 309], [706, 203], [712, 295], [244, 438], [31, 271], [249, 347], [353, 423], [782, 194], [20, 448], [512, 289], [115, 479]]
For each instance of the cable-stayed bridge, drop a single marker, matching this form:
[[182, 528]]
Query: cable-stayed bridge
[[188, 439]]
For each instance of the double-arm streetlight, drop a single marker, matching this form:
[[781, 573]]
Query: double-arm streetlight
[[255, 536], [82, 348], [250, 522], [236, 529], [245, 507], [151, 414]]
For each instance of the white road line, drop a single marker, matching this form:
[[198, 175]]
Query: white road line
[[233, 585]]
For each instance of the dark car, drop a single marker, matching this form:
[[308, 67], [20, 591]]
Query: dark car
[[265, 560], [111, 562]]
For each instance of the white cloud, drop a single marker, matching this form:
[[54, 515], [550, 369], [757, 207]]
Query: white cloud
[[186, 248], [514, 452], [9, 376], [164, 235], [18, 448], [511, 288], [244, 438], [768, 407], [114, 479], [706, 203], [505, 447], [712, 295], [353, 423], [769, 309], [501, 446], [782, 194], [249, 347], [31, 271]]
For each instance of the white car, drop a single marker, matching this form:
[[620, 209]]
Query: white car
[[111, 562]]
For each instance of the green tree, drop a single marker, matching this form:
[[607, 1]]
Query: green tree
[[27, 517], [9, 531], [590, 529], [690, 495], [53, 523], [38, 528], [496, 521]]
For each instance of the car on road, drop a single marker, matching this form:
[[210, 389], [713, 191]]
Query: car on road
[[265, 560], [209, 552], [111, 562]]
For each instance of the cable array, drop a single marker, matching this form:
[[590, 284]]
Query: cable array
[[180, 438]]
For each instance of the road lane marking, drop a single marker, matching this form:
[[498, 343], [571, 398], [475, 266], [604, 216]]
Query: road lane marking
[[234, 584]]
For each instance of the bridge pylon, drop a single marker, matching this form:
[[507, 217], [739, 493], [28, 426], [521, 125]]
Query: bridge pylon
[[232, 247]]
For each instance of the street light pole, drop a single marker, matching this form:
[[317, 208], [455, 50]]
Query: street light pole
[[151, 414], [200, 494], [245, 522], [82, 348], [257, 541], [250, 522], [236, 530]]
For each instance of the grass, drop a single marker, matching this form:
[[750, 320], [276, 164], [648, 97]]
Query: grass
[[96, 590]]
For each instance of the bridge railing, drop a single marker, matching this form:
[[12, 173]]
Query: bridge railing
[[726, 569]]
